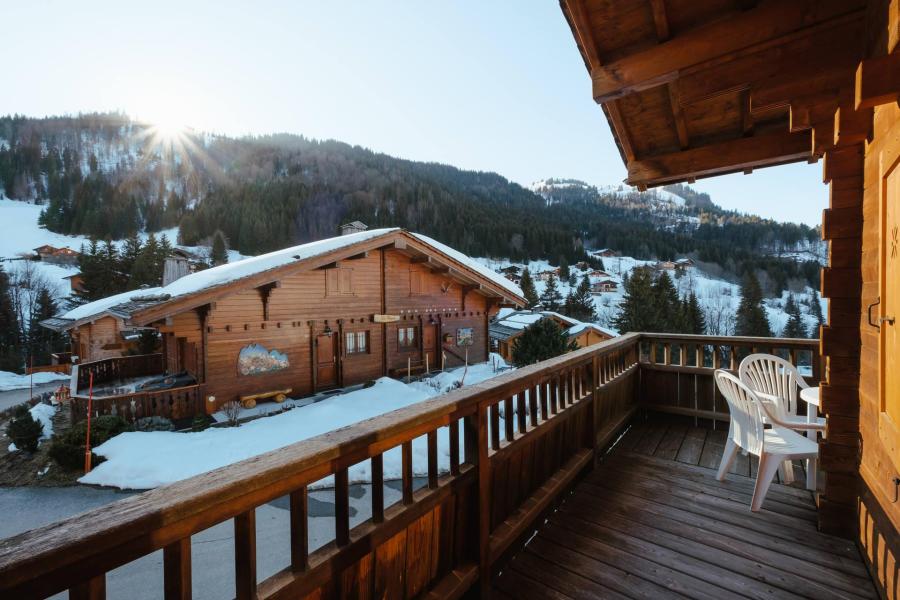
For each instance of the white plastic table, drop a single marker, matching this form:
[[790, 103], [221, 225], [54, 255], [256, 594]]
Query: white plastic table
[[811, 397]]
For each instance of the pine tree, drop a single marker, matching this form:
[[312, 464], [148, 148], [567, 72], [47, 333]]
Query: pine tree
[[563, 268], [692, 318], [551, 299], [42, 341], [147, 270], [219, 254], [795, 327], [528, 290], [750, 318], [666, 305], [816, 308], [540, 341], [636, 308], [114, 281], [580, 303], [90, 264], [131, 250], [10, 344]]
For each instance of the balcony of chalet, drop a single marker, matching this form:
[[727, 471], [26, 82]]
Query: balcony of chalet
[[591, 475]]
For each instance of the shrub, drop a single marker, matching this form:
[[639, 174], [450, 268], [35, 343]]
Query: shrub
[[67, 449], [200, 423], [24, 430], [232, 412], [154, 424]]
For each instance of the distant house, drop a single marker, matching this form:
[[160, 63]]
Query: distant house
[[545, 275], [582, 266], [598, 273], [604, 286], [665, 265], [76, 283], [607, 253], [684, 263], [506, 328], [60, 256]]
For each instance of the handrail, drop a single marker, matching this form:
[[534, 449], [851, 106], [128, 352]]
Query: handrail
[[120, 367], [174, 403]]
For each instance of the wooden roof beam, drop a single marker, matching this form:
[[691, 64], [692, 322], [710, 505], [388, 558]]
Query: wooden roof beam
[[852, 126], [660, 64], [725, 157], [678, 114], [584, 35], [660, 19], [877, 81]]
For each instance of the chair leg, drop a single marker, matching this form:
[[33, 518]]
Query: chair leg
[[787, 472], [731, 450], [768, 465]]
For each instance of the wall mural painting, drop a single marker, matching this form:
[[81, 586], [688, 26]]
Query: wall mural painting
[[465, 336], [256, 360]]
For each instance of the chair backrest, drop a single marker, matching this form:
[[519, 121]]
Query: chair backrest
[[773, 376], [747, 423]]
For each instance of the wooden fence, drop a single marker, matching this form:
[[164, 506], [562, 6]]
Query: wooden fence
[[65, 369], [177, 403], [110, 370], [516, 443], [677, 370]]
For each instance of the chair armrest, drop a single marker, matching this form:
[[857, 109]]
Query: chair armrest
[[776, 421]]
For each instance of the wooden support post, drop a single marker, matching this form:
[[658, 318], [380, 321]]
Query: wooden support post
[[484, 505], [407, 472], [341, 507], [299, 505], [377, 488], [92, 589], [432, 460], [245, 555], [177, 570]]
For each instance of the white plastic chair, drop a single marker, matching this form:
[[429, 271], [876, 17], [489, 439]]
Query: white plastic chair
[[776, 381], [748, 432]]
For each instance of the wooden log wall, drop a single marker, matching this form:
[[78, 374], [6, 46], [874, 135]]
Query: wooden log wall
[[517, 442], [677, 370]]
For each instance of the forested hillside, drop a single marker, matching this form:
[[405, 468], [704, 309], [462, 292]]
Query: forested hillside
[[106, 176]]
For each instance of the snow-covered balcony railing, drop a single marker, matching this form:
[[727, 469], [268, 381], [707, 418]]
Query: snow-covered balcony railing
[[116, 370], [496, 456]]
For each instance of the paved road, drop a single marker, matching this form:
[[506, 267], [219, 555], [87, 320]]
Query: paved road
[[13, 397], [212, 550]]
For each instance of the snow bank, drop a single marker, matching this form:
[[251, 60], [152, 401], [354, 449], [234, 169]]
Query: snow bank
[[12, 381], [141, 460], [42, 413]]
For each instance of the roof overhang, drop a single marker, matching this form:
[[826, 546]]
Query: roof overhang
[[699, 88]]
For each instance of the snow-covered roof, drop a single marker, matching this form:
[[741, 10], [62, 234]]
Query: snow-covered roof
[[230, 272], [511, 323], [470, 263]]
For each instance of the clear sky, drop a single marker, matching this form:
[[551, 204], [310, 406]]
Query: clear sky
[[494, 85]]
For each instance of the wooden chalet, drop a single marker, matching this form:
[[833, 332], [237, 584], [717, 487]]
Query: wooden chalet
[[604, 286], [52, 254], [506, 329], [314, 317], [600, 482]]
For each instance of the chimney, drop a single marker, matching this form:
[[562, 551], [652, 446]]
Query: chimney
[[175, 268], [354, 227]]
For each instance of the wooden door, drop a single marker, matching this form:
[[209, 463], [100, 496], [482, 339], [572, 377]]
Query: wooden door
[[326, 362], [188, 351], [429, 345], [889, 421]]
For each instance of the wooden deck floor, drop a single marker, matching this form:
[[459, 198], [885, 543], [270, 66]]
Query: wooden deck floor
[[653, 522]]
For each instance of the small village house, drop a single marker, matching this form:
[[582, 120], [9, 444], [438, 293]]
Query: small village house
[[322, 315], [505, 329], [545, 275], [604, 286], [76, 283], [54, 255]]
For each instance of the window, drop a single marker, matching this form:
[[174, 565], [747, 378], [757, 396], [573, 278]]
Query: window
[[415, 283], [406, 337], [356, 342], [339, 282]]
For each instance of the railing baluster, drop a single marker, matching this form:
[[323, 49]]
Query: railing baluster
[[299, 503], [553, 389], [245, 555], [533, 404], [494, 414], [407, 471], [90, 589], [341, 507], [432, 460], [177, 570], [509, 419], [378, 488], [521, 412], [545, 400], [454, 447]]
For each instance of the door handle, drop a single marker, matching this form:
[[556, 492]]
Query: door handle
[[869, 313]]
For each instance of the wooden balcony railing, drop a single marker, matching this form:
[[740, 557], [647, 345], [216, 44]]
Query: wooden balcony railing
[[677, 370], [176, 403], [110, 370], [516, 443]]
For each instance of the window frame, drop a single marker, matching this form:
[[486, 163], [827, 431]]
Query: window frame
[[407, 338], [357, 348]]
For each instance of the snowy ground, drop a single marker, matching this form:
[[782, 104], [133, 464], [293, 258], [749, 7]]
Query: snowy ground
[[12, 381], [141, 460]]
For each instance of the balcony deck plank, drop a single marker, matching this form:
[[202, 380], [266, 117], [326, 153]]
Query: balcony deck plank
[[652, 521]]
